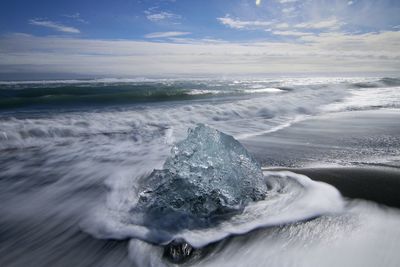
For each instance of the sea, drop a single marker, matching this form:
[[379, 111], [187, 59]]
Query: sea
[[72, 153]]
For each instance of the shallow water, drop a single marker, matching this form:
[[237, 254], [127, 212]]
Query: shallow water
[[63, 160]]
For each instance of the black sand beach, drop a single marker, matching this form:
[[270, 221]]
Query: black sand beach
[[357, 152], [337, 139], [379, 184]]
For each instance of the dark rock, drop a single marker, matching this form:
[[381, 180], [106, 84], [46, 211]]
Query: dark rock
[[178, 251]]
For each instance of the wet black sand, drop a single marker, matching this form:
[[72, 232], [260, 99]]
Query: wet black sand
[[357, 152], [340, 139], [378, 184]]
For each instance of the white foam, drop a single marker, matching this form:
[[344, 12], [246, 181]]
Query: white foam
[[367, 98], [292, 197], [279, 127], [365, 234], [204, 92], [241, 117], [263, 90]]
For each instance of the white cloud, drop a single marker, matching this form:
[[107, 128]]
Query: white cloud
[[53, 25], [288, 10], [77, 17], [287, 1], [292, 33], [242, 24], [349, 3], [165, 34], [324, 53], [331, 24], [159, 16], [282, 26], [372, 44]]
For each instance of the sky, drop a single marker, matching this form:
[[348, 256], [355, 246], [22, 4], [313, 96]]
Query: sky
[[195, 38]]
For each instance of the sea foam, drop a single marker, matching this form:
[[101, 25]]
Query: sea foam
[[213, 175]]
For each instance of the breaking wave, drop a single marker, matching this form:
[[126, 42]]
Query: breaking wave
[[210, 187], [111, 92], [384, 82], [96, 93], [291, 197], [221, 104]]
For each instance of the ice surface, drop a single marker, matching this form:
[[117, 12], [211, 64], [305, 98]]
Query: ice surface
[[209, 176]]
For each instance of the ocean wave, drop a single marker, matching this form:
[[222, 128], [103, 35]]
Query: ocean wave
[[112, 92], [383, 82], [64, 96], [367, 98], [237, 116], [264, 90], [61, 95], [291, 197], [84, 81], [244, 116]]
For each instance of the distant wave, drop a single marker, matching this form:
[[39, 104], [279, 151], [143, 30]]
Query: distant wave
[[241, 109], [222, 105], [71, 93], [80, 95], [264, 90], [113, 91], [368, 98], [83, 81], [384, 82]]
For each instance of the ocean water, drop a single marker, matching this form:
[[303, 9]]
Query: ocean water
[[72, 152]]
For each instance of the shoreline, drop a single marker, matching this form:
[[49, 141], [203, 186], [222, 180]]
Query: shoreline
[[378, 184], [358, 152], [335, 139]]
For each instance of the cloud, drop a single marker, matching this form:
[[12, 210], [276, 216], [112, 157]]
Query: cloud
[[331, 24], [241, 24], [288, 10], [165, 34], [77, 17], [53, 25], [324, 53], [283, 25], [378, 44], [160, 16], [287, 1], [292, 33]]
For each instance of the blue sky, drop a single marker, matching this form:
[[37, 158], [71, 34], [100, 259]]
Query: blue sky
[[197, 37]]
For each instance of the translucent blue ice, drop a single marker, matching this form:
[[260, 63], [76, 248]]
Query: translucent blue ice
[[208, 176]]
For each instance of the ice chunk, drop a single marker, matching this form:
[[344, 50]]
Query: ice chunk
[[209, 176]]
